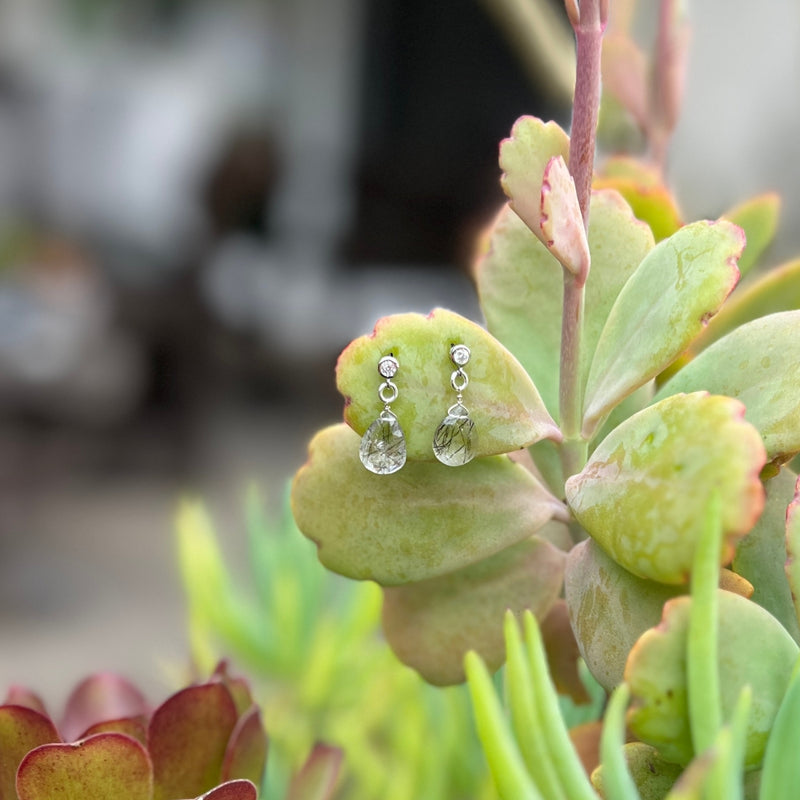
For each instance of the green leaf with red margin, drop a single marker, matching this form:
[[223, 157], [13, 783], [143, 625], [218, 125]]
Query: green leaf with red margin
[[22, 696], [188, 738], [656, 672], [246, 754], [758, 363], [21, 730], [232, 790], [108, 765], [664, 305], [425, 520], [645, 192], [561, 219], [432, 624], [643, 493], [761, 556], [100, 698], [777, 290], [758, 217], [523, 159], [317, 779], [503, 402], [520, 286], [793, 548]]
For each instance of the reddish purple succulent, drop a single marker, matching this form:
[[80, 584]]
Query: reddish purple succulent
[[206, 741]]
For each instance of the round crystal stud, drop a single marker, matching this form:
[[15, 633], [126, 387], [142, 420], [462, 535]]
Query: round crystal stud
[[459, 354], [388, 366]]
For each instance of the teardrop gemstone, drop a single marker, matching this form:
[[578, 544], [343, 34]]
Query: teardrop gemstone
[[455, 438], [383, 446]]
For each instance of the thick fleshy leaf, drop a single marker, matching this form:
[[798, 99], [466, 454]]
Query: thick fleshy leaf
[[317, 779], [561, 220], [523, 159], [653, 776], [609, 609], [521, 286], [426, 520], [503, 402], [22, 696], [777, 290], [793, 548], [758, 217], [660, 310], [644, 492], [21, 729], [761, 555], [246, 754], [432, 624], [135, 727], [563, 653], [758, 363], [103, 766], [99, 698], [656, 672], [232, 790], [781, 774], [645, 192], [187, 740]]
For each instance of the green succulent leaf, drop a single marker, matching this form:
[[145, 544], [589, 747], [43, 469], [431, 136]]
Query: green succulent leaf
[[503, 402], [645, 192], [505, 760], [430, 625], [656, 672], [246, 753], [759, 364], [618, 784], [781, 774], [677, 452], [232, 790], [664, 305], [792, 567], [317, 779], [530, 733], [758, 217], [563, 654], [652, 775], [520, 286], [426, 520], [188, 738], [523, 159], [103, 766], [610, 608], [21, 730], [777, 290], [761, 555]]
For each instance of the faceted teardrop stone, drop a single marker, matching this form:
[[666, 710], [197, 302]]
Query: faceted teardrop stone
[[455, 439], [383, 446]]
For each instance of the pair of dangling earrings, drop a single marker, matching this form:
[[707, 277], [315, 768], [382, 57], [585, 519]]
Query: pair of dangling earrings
[[383, 446]]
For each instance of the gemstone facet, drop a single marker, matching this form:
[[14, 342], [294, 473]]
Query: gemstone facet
[[383, 446], [455, 438]]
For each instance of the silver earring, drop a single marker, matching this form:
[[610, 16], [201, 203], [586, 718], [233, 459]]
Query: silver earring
[[383, 446], [455, 438]]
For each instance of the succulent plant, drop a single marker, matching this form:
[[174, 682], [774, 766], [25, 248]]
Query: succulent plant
[[620, 389], [205, 741]]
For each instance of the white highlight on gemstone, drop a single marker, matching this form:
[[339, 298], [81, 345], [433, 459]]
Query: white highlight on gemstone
[[459, 354]]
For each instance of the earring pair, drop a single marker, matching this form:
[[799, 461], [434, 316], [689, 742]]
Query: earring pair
[[383, 446]]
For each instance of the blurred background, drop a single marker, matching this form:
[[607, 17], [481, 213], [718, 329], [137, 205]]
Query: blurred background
[[202, 202]]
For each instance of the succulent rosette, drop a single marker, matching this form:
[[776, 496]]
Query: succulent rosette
[[206, 741], [591, 498]]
